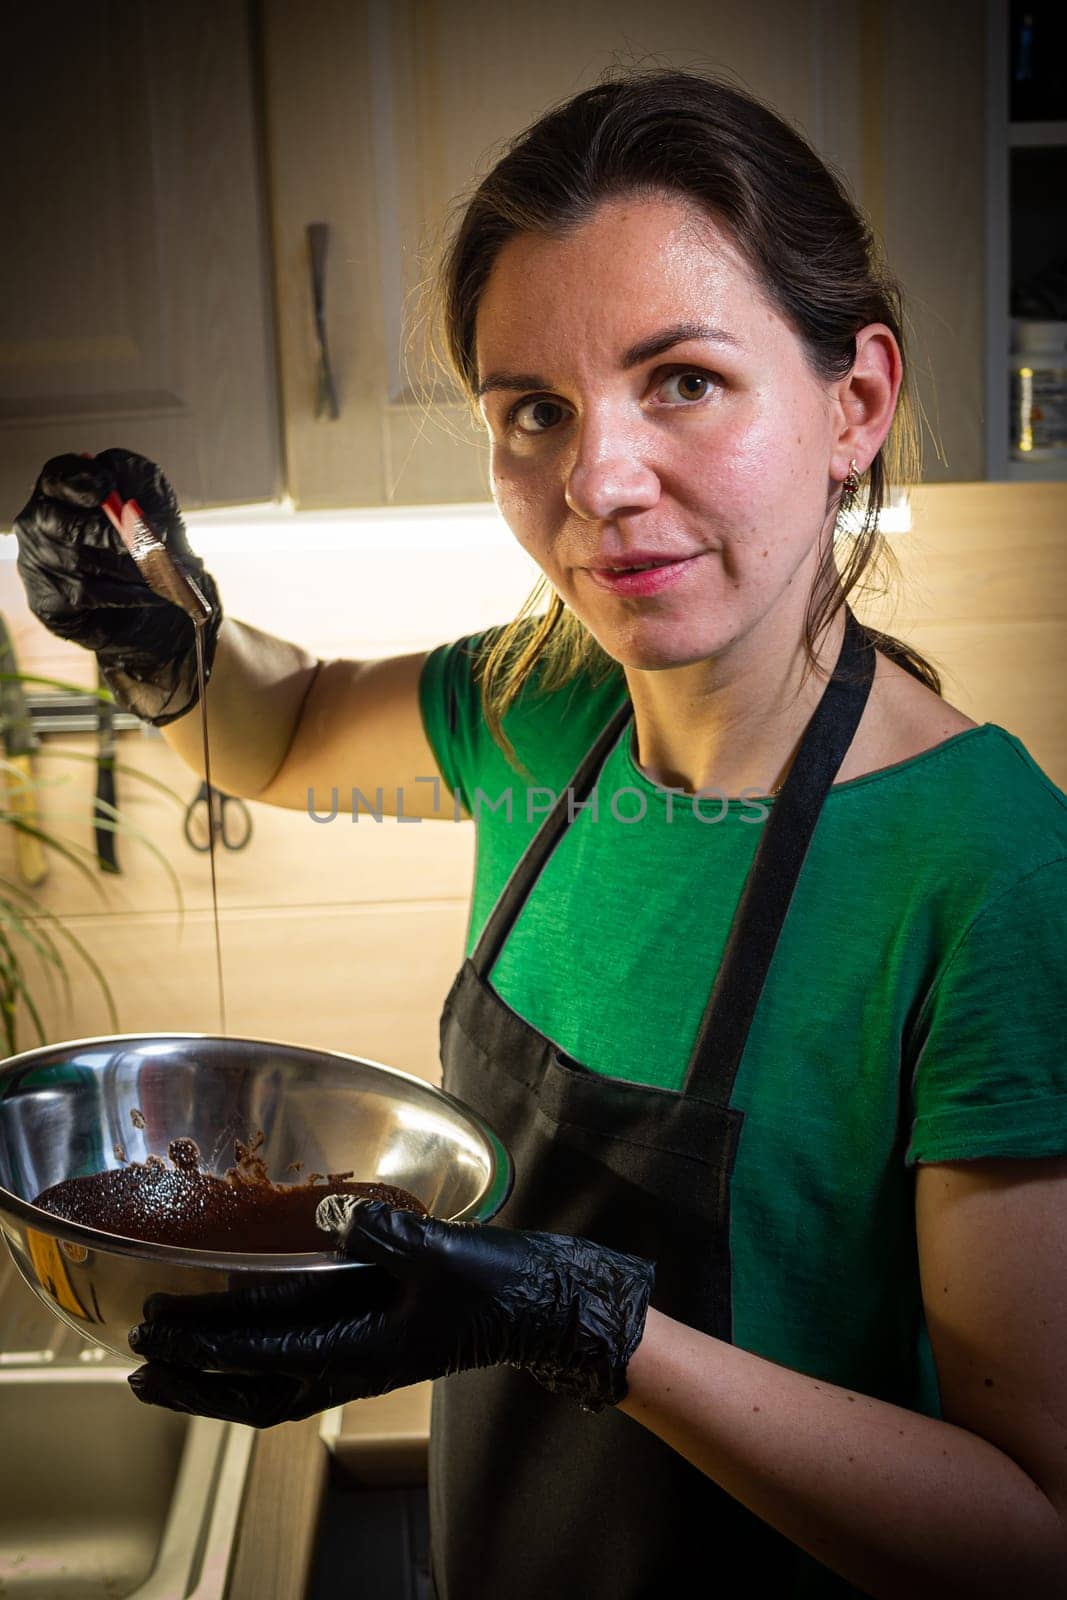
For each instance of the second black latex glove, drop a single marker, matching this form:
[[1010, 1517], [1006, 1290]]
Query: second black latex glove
[[441, 1297], [83, 584]]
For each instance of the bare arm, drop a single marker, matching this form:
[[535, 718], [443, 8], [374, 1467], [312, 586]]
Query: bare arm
[[293, 730], [904, 1505], [255, 698]]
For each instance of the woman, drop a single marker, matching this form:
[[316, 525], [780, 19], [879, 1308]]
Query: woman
[[786, 1248]]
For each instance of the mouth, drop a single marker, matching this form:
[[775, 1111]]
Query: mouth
[[641, 561], [646, 566], [647, 577]]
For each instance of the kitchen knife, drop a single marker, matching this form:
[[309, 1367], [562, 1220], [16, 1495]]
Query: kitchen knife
[[20, 742], [103, 826]]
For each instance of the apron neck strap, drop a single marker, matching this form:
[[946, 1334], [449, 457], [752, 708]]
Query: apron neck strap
[[772, 877], [530, 864]]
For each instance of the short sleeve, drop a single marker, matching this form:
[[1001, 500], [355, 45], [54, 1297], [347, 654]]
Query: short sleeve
[[990, 1076], [450, 702]]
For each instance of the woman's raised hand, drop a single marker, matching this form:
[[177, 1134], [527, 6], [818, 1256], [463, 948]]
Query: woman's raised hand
[[83, 584]]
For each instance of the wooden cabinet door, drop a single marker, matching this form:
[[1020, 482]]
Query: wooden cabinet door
[[136, 286], [924, 71], [382, 112]]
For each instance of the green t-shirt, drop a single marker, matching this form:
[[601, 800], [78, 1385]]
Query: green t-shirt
[[915, 1009]]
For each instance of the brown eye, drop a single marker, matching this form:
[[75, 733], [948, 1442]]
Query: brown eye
[[687, 386], [535, 416]]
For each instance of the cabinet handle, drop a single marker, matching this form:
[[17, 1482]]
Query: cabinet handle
[[326, 400]]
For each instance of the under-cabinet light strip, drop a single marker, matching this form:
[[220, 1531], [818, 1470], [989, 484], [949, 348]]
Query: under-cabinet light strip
[[272, 527]]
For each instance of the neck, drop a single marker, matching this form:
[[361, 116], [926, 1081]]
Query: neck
[[732, 723]]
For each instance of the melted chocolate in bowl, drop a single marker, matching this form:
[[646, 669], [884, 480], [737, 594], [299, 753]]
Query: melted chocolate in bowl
[[245, 1211]]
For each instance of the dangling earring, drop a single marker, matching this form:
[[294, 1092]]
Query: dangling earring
[[849, 490]]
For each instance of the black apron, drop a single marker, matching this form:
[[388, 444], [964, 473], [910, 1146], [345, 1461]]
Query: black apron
[[529, 1495]]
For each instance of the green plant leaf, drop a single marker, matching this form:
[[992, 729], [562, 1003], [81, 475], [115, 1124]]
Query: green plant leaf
[[77, 854], [97, 972], [112, 821], [34, 1014], [124, 771], [15, 775], [9, 989], [22, 914], [35, 935], [100, 814], [94, 967], [16, 989], [33, 928], [56, 683]]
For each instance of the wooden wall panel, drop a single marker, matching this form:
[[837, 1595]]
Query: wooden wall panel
[[348, 935], [983, 594], [290, 860], [369, 980]]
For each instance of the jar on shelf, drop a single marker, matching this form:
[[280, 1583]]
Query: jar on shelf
[[1038, 390]]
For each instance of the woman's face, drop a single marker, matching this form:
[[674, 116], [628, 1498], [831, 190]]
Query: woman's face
[[644, 399]]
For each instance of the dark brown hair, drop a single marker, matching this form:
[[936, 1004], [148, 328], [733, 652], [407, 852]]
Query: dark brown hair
[[793, 222]]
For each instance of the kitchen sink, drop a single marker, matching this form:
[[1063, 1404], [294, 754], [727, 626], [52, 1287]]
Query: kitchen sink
[[103, 1498]]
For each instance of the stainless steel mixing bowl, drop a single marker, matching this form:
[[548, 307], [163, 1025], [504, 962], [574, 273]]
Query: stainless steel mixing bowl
[[68, 1110]]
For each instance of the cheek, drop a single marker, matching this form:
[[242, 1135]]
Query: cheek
[[756, 464], [724, 476], [524, 497], [512, 497], [753, 446]]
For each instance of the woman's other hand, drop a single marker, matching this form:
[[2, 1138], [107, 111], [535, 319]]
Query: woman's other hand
[[435, 1298]]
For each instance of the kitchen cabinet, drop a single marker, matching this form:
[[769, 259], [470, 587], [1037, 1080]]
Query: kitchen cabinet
[[182, 319], [382, 112], [137, 305]]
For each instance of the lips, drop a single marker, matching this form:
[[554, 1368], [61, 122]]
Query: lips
[[628, 560], [644, 566], [648, 580]]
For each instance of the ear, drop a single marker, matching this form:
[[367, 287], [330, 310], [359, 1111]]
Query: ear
[[866, 400]]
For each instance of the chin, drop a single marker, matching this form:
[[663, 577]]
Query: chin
[[645, 655]]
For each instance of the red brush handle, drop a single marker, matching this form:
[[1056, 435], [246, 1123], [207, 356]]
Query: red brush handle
[[131, 525], [154, 562], [113, 506]]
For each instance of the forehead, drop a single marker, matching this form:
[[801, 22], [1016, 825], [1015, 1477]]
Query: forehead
[[636, 265]]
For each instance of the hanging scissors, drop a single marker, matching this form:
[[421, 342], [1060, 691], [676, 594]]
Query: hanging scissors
[[231, 835]]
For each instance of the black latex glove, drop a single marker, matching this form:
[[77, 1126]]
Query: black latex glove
[[83, 584], [441, 1297]]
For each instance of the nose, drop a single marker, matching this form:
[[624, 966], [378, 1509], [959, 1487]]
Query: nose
[[609, 475]]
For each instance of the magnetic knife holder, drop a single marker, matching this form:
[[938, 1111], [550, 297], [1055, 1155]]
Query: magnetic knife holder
[[79, 713]]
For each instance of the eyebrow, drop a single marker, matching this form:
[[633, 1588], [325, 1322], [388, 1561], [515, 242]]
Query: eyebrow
[[655, 344]]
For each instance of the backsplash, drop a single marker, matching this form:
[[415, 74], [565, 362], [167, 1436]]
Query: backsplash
[[341, 936], [348, 935]]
